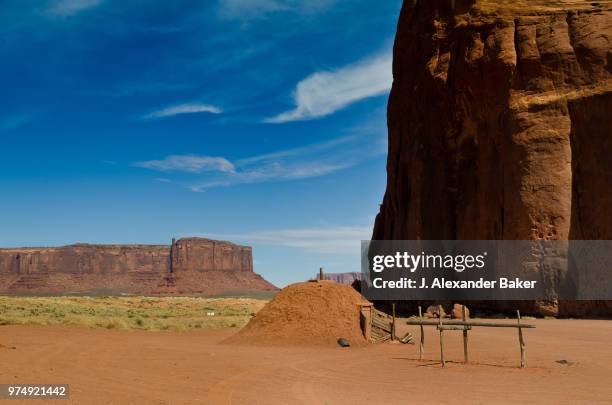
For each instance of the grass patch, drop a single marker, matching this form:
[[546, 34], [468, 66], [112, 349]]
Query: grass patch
[[130, 313]]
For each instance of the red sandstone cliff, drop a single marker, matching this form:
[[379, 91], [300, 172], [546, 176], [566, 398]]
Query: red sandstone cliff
[[499, 123], [188, 266]]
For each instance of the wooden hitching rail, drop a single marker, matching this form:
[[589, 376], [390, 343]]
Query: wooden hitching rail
[[464, 325]]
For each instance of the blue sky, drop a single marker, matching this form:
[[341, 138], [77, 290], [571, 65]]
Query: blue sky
[[257, 121]]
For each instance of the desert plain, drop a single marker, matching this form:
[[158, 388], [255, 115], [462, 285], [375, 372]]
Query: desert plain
[[173, 361]]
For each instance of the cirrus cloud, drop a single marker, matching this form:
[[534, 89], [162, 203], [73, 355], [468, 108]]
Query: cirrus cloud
[[324, 93], [332, 239], [302, 162], [187, 108], [68, 8], [256, 9], [188, 164]]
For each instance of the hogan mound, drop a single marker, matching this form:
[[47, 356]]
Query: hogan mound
[[308, 313]]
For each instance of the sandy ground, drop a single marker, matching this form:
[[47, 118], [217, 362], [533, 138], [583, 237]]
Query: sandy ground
[[118, 367]]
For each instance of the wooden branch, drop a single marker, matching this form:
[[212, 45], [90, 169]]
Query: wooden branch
[[521, 341], [454, 327], [441, 335], [422, 345], [393, 324], [465, 335], [471, 323], [381, 324]]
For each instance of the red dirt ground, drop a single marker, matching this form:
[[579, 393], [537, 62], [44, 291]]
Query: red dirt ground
[[115, 367], [309, 313]]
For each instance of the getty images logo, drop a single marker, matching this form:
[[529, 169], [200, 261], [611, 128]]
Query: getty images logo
[[411, 262]]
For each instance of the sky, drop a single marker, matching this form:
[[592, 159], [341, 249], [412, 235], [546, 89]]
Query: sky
[[261, 122]]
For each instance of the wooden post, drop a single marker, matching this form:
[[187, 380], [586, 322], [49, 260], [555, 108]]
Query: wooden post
[[366, 317], [441, 336], [465, 336], [393, 325], [422, 345], [320, 273], [521, 341]]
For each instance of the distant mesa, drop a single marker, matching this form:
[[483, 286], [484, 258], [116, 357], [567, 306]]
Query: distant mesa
[[341, 278], [190, 266]]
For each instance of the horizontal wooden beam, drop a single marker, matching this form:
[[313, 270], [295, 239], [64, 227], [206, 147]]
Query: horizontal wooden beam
[[454, 327], [471, 323]]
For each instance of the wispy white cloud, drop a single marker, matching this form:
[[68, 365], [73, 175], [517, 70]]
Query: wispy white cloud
[[323, 93], [303, 162], [188, 164], [308, 149], [255, 9], [335, 240], [272, 171], [187, 108], [68, 8]]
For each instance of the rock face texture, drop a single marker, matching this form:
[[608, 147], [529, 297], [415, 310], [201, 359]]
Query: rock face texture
[[499, 124], [188, 266], [341, 278]]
